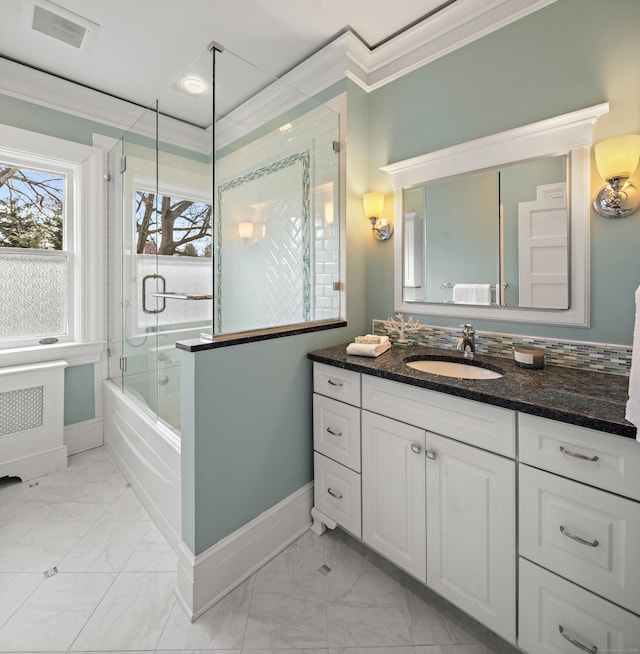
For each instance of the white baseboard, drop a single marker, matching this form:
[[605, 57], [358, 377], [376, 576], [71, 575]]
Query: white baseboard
[[208, 577], [83, 436]]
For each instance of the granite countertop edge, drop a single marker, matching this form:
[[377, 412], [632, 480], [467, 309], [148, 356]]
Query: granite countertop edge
[[585, 398]]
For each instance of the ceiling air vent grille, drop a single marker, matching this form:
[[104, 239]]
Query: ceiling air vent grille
[[61, 24]]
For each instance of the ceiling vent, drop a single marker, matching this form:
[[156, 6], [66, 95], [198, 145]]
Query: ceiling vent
[[63, 25]]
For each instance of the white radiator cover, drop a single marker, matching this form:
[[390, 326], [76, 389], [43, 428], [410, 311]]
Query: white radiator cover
[[31, 420]]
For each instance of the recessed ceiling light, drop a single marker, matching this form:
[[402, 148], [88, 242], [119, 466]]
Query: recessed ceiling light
[[193, 85], [286, 127]]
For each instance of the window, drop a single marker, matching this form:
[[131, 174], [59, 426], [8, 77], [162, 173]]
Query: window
[[49, 212]]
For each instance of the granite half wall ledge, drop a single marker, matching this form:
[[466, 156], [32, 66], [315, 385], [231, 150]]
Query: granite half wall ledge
[[582, 355]]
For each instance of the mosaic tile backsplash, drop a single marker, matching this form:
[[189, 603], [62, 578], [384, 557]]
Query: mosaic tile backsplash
[[615, 359]]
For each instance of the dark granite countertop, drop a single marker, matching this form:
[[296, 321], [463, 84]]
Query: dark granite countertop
[[579, 397]]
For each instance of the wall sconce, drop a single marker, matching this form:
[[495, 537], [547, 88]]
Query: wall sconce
[[617, 159], [245, 230], [373, 205]]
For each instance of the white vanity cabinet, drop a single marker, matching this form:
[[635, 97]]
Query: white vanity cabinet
[[429, 481], [393, 492], [437, 481], [336, 444], [579, 542], [471, 525]]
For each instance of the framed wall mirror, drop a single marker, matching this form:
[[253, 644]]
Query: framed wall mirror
[[498, 228]]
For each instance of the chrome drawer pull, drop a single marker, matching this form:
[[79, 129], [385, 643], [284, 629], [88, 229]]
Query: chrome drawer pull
[[577, 455], [334, 383], [335, 494], [582, 541], [431, 454], [415, 448], [333, 432], [577, 643]]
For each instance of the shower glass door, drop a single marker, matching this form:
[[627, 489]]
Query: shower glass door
[[161, 278]]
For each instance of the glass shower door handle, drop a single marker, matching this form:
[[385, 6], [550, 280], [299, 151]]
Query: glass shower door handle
[[145, 279]]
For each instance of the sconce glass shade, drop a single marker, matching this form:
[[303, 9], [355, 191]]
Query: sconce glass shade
[[328, 213], [616, 159], [373, 204], [245, 230]]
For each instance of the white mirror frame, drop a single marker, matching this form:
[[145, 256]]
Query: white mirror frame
[[568, 134]]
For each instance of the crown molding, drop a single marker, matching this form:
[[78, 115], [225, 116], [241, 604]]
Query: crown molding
[[34, 86], [346, 57]]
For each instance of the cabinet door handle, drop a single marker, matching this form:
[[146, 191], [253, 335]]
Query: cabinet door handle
[[333, 382], [415, 448], [576, 642], [431, 454], [577, 455], [334, 432], [582, 541], [335, 494]]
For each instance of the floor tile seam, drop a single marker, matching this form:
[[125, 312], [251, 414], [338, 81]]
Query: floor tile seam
[[95, 608], [25, 600], [252, 586], [135, 549], [164, 626]]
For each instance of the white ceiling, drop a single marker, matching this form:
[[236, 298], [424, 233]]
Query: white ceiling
[[144, 46]]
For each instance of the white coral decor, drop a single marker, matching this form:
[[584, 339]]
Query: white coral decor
[[402, 327]]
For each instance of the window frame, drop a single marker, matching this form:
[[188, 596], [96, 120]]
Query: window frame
[[83, 167]]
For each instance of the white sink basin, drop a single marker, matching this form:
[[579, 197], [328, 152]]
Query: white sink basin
[[453, 369]]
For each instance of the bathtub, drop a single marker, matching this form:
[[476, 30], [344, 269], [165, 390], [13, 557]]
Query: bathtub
[[147, 452]]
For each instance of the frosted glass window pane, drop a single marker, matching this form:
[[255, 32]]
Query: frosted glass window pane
[[34, 289]]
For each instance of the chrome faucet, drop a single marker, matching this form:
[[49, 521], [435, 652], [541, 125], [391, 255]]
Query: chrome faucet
[[467, 341]]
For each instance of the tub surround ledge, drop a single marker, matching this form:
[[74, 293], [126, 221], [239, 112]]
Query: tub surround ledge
[[585, 398]]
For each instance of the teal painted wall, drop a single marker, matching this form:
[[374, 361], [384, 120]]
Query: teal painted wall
[[562, 58], [79, 396], [247, 439]]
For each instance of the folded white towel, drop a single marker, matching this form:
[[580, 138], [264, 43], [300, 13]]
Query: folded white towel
[[633, 404], [472, 293], [369, 349]]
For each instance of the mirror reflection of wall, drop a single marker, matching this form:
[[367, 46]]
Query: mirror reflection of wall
[[505, 228]]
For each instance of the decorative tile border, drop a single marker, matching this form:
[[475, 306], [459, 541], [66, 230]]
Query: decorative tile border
[[602, 357]]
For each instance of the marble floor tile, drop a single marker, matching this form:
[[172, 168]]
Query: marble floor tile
[[127, 508], [12, 530], [221, 627], [152, 554], [16, 587], [430, 627], [132, 614], [55, 612], [43, 546], [367, 608], [288, 611], [372, 650], [452, 649], [106, 547]]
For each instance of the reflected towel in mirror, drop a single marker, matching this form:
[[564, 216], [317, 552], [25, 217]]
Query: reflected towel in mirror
[[472, 293]]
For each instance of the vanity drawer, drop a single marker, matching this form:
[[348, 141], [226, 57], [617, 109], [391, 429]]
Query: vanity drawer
[[594, 457], [337, 493], [338, 383], [488, 427], [551, 606], [586, 535], [336, 431]]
